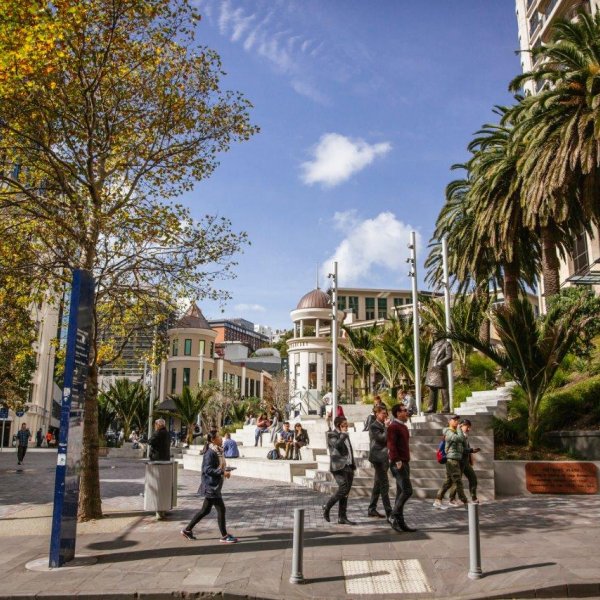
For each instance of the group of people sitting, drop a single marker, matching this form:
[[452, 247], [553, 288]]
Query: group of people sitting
[[291, 441]]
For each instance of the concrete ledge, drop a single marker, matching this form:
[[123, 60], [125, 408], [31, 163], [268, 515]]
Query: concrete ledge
[[125, 452], [583, 442], [510, 477]]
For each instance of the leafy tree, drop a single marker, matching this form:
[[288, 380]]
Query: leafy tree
[[127, 399], [280, 391], [531, 349], [124, 113], [281, 344]]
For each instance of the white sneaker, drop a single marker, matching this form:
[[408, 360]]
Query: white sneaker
[[455, 503], [437, 504]]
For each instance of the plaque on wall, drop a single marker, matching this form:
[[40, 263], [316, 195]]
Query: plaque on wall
[[561, 478]]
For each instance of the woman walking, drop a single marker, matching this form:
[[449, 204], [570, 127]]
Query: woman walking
[[214, 471]]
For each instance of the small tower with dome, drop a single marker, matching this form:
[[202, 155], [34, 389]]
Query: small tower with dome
[[310, 351]]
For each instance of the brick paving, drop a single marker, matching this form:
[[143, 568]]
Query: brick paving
[[533, 543]]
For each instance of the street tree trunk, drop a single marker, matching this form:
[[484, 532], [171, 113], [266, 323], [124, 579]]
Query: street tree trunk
[[511, 282], [550, 263]]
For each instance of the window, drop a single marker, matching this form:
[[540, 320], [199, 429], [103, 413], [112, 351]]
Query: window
[[239, 382], [353, 304], [212, 349], [173, 380], [369, 308], [175, 349], [252, 387], [258, 388], [328, 375], [186, 377], [202, 347], [342, 302], [210, 375], [187, 347], [398, 301], [312, 376], [580, 253], [382, 308], [247, 387]]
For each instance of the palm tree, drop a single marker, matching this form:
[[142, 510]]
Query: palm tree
[[106, 414], [531, 349], [361, 341], [558, 127], [126, 398], [192, 403]]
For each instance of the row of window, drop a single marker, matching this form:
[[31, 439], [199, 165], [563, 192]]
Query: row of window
[[187, 348], [351, 303], [252, 387]]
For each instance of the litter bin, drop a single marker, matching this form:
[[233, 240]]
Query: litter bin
[[160, 489]]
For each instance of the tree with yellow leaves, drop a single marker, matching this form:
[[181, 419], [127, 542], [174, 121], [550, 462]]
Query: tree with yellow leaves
[[110, 109]]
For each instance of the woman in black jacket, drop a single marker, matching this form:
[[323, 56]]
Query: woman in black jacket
[[214, 471], [300, 439]]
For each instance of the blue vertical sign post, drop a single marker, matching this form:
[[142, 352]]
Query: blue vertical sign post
[[66, 486]]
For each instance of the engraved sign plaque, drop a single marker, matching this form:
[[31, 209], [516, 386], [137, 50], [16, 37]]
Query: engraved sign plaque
[[561, 478]]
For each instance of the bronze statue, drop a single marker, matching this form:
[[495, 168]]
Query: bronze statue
[[437, 375]]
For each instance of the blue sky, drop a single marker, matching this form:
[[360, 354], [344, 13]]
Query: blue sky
[[363, 108]]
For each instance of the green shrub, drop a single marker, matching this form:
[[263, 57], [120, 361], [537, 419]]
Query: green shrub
[[576, 403], [481, 367]]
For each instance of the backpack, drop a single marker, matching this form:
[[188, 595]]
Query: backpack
[[441, 452], [273, 454]]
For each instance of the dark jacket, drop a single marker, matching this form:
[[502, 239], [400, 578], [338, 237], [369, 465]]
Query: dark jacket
[[378, 452], [302, 437], [338, 450], [160, 445], [212, 475], [397, 442]]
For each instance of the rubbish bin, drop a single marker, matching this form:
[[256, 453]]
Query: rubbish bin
[[160, 489]]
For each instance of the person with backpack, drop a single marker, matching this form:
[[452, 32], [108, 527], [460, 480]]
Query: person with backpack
[[378, 457], [454, 444], [399, 455], [466, 465], [214, 473]]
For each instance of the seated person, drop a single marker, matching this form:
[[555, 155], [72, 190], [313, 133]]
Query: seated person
[[300, 440], [286, 440], [262, 425], [230, 449], [250, 419]]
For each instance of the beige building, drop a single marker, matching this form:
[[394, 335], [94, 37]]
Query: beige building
[[535, 19], [193, 359]]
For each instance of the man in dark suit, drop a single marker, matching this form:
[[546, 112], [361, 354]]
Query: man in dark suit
[[399, 454], [342, 466], [378, 457], [160, 442]]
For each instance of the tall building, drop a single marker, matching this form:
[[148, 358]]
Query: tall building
[[238, 330], [535, 19]]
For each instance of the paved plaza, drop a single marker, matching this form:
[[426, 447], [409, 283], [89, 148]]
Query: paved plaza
[[544, 546]]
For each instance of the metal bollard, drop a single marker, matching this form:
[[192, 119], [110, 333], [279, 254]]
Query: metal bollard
[[298, 546], [475, 571]]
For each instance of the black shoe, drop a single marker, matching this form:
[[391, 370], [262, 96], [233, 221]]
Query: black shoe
[[403, 526], [345, 521], [373, 513], [188, 535], [326, 510]]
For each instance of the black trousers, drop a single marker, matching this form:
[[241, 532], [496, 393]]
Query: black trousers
[[381, 487], [21, 453], [206, 508], [344, 480], [404, 489]]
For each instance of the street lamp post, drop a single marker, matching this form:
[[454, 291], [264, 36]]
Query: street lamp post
[[448, 324], [334, 336], [415, 301]]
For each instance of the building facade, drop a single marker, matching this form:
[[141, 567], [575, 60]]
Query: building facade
[[238, 330], [193, 359]]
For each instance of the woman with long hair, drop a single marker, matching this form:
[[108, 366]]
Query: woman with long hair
[[214, 472]]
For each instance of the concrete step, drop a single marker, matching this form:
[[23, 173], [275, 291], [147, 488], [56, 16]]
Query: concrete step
[[307, 453]]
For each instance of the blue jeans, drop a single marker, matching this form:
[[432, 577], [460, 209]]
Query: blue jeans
[[258, 435]]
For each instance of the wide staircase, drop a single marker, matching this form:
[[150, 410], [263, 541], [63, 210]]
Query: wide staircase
[[427, 475]]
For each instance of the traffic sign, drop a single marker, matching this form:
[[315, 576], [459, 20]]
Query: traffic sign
[[20, 413], [3, 412]]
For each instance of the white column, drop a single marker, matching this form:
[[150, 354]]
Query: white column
[[318, 328], [220, 369], [301, 328], [243, 390], [320, 371], [163, 380], [334, 336], [415, 300]]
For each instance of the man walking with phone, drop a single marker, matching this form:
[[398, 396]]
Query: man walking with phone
[[399, 455]]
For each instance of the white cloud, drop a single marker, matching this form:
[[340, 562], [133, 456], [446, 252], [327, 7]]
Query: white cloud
[[258, 308], [369, 245], [336, 158]]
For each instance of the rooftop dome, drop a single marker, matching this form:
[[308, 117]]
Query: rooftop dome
[[268, 352], [192, 319], [315, 299]]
